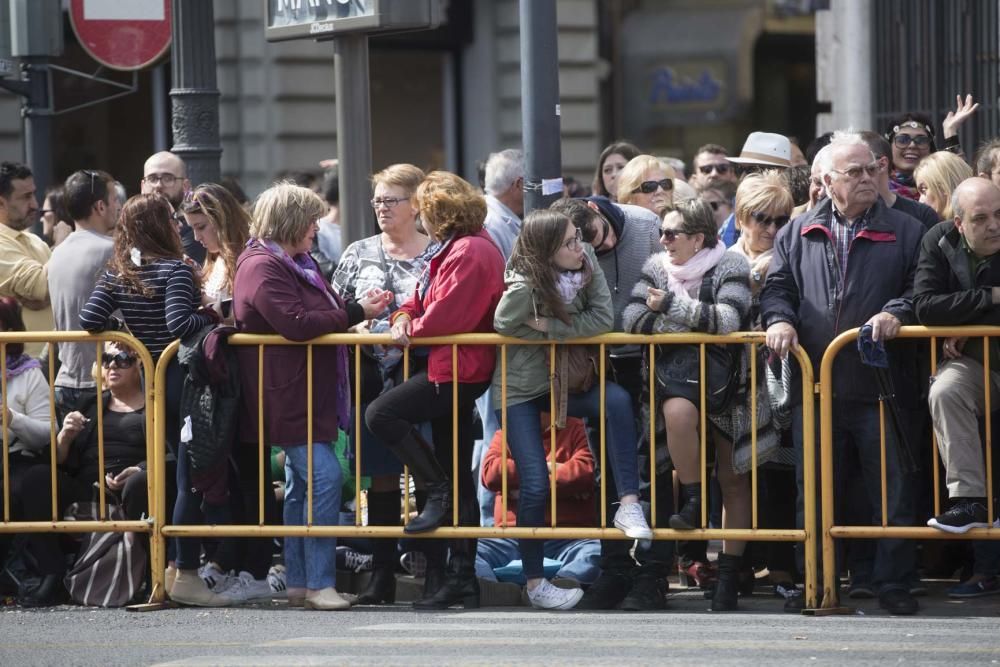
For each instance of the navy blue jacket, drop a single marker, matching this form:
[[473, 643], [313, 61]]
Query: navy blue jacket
[[803, 288]]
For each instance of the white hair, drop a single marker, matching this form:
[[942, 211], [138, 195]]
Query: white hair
[[502, 169], [841, 139]]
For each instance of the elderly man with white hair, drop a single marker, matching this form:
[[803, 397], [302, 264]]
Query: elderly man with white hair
[[505, 197], [850, 262]]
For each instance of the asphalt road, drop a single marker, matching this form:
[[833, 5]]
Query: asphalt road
[[945, 632]]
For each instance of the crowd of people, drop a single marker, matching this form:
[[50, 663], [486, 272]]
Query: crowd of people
[[799, 244]]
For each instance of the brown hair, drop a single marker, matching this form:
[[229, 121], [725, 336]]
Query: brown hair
[[450, 205], [623, 148], [11, 320], [146, 223], [540, 238], [228, 217], [284, 212], [698, 219], [402, 175]]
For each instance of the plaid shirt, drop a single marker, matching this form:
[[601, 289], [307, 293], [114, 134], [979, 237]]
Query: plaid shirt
[[844, 231]]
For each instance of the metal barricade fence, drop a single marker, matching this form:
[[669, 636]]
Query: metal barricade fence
[[754, 533], [102, 524], [830, 530]]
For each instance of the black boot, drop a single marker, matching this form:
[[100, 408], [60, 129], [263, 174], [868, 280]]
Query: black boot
[[610, 589], [727, 590], [383, 510], [434, 580], [460, 585], [418, 456], [49, 593], [649, 593], [689, 517]]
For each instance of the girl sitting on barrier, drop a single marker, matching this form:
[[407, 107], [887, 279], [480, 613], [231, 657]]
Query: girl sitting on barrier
[[456, 294], [698, 286], [279, 289], [77, 454], [555, 291]]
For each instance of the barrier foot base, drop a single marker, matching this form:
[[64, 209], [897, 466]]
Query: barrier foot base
[[831, 611], [151, 606]]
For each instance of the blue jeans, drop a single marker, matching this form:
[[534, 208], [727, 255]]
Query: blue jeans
[[190, 510], [487, 499], [524, 437], [581, 559], [311, 562]]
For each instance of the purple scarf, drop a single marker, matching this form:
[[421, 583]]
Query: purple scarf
[[305, 268], [20, 365]]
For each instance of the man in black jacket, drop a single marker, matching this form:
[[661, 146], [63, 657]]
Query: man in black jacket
[[848, 262], [958, 282]]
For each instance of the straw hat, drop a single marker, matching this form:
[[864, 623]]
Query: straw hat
[[765, 149]]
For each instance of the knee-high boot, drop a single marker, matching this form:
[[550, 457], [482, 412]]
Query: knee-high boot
[[383, 510], [418, 455]]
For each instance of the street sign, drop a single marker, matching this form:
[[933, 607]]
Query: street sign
[[122, 35], [324, 19]]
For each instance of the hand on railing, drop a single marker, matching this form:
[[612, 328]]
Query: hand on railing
[[782, 337], [885, 326], [401, 330]]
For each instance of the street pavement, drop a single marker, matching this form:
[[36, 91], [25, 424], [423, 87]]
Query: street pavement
[[953, 632]]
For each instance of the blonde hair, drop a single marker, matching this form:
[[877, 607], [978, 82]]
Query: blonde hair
[[450, 205], [631, 175], [402, 175], [764, 191], [284, 212], [942, 172]]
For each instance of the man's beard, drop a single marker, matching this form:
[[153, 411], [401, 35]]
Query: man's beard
[[22, 224]]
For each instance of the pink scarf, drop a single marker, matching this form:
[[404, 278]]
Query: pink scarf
[[682, 278]]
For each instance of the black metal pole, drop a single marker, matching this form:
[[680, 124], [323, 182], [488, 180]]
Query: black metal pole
[[195, 95], [38, 127], [540, 104], [354, 136]]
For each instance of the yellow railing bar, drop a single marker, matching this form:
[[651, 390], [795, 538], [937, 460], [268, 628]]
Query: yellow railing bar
[[753, 434], [554, 359], [357, 435], [604, 442], [53, 462], [261, 437], [934, 442], [454, 435], [703, 435], [309, 435], [101, 510], [987, 409], [6, 433], [652, 436], [503, 430]]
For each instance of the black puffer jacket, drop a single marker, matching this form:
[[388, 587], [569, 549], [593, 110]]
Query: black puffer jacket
[[805, 289]]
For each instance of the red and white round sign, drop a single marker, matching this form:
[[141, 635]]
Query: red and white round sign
[[123, 35]]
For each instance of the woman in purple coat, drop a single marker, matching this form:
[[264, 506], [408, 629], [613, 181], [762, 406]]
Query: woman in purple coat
[[279, 289]]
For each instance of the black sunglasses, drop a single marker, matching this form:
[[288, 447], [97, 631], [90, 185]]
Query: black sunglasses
[[671, 234], [904, 140], [649, 187], [121, 360], [763, 220], [722, 168]]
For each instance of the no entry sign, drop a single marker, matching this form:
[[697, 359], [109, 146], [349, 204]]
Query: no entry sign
[[122, 34]]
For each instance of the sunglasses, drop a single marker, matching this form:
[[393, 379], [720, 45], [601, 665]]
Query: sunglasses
[[763, 220], [120, 360], [649, 187], [904, 140], [722, 168], [671, 234]]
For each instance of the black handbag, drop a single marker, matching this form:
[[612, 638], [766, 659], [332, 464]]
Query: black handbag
[[678, 367]]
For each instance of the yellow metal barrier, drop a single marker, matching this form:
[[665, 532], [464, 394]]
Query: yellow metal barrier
[[829, 529], [807, 536], [57, 525]]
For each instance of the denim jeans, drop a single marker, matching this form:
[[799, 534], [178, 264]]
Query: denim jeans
[[524, 437], [311, 562], [487, 499], [190, 510], [580, 558], [856, 435]]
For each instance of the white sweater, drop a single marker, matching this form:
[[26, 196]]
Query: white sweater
[[28, 400]]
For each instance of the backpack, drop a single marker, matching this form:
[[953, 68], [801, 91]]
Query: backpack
[[110, 567]]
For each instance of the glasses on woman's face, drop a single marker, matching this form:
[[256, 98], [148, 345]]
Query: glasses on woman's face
[[764, 220], [918, 140], [388, 202], [573, 243], [120, 360], [649, 187], [671, 234]]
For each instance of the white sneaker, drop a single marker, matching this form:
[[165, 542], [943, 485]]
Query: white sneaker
[[547, 596], [276, 580], [245, 588], [631, 520], [216, 580]]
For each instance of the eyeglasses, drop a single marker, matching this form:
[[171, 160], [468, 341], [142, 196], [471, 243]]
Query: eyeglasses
[[573, 243], [904, 140], [671, 234], [388, 202], [166, 179], [649, 187], [763, 220], [855, 172], [120, 360], [722, 168]]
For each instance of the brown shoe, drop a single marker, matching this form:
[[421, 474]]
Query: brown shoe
[[326, 600], [189, 589]]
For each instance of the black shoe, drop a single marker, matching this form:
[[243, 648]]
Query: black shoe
[[861, 590], [689, 518], [607, 592], [434, 579], [648, 593], [49, 593], [381, 588], [898, 602], [460, 586], [727, 591], [795, 603], [965, 514]]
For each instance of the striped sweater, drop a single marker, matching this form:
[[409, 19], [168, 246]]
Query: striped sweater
[[155, 320]]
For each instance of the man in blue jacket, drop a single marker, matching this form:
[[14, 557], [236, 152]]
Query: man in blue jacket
[[848, 262]]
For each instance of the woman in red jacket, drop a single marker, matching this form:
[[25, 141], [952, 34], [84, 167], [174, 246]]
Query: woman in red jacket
[[458, 293]]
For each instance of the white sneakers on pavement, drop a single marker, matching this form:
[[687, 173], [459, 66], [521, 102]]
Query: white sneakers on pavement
[[547, 596], [631, 520]]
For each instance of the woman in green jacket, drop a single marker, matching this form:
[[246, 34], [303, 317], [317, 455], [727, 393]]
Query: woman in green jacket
[[555, 291]]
